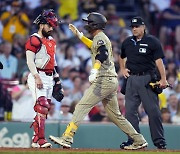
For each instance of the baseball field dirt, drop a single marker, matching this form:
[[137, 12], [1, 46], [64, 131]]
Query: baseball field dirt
[[82, 151]]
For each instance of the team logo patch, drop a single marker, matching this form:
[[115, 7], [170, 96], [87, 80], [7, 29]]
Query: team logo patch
[[100, 42], [142, 50], [134, 20]]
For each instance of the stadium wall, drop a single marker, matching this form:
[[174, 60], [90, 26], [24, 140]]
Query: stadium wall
[[89, 135]]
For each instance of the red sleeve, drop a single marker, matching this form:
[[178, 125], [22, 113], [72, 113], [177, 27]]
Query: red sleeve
[[33, 44], [54, 41]]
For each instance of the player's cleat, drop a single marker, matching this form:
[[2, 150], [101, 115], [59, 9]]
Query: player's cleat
[[136, 146], [127, 143], [64, 141], [35, 145], [45, 145], [41, 143]]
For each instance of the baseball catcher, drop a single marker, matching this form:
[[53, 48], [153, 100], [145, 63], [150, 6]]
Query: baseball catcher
[[40, 54]]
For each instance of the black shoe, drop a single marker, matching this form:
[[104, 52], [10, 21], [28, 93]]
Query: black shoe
[[161, 145], [127, 143]]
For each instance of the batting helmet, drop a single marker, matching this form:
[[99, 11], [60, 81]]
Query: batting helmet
[[47, 17], [95, 21]]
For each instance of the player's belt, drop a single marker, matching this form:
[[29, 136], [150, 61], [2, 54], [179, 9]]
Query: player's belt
[[140, 73], [48, 72]]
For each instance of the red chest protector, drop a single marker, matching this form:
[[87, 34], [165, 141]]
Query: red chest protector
[[44, 48]]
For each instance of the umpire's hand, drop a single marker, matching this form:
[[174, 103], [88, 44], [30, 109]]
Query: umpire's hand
[[163, 84], [125, 72]]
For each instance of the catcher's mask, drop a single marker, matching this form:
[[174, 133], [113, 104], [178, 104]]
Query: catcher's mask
[[95, 21], [47, 17]]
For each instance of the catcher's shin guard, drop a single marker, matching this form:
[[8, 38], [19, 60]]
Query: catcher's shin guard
[[42, 106], [36, 129], [38, 140]]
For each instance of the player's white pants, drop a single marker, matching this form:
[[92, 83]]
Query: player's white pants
[[47, 86]]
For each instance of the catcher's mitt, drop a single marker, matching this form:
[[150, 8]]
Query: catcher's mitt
[[57, 92]]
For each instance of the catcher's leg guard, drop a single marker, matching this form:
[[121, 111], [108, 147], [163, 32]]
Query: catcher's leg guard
[[38, 140], [42, 105], [36, 130], [67, 139]]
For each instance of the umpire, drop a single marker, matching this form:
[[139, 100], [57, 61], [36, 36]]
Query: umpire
[[140, 55]]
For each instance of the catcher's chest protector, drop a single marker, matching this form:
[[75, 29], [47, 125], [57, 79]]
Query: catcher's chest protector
[[45, 55]]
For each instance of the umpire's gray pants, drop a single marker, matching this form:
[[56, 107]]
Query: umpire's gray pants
[[137, 92]]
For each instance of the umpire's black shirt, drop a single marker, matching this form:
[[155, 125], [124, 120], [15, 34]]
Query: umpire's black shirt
[[141, 55]]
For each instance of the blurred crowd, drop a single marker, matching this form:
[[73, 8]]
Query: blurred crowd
[[162, 19]]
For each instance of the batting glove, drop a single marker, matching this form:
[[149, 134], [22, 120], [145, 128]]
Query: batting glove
[[75, 31], [93, 75]]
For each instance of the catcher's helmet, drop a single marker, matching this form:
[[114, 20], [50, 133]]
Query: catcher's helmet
[[47, 17], [95, 21]]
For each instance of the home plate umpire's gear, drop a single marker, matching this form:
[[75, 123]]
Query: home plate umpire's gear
[[57, 90]]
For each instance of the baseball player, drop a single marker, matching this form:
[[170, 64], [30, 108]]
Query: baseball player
[[104, 84], [40, 53]]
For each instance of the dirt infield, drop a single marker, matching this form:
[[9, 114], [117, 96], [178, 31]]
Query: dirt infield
[[79, 150]]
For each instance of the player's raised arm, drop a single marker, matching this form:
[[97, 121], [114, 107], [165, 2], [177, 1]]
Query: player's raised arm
[[80, 35]]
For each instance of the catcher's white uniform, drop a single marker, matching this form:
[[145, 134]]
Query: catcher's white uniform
[[40, 54], [44, 50]]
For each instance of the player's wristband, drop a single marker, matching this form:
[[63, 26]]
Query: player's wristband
[[97, 66], [56, 79], [80, 35]]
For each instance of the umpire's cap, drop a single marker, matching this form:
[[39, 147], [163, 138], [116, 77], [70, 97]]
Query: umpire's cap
[[137, 21], [95, 21], [47, 17]]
